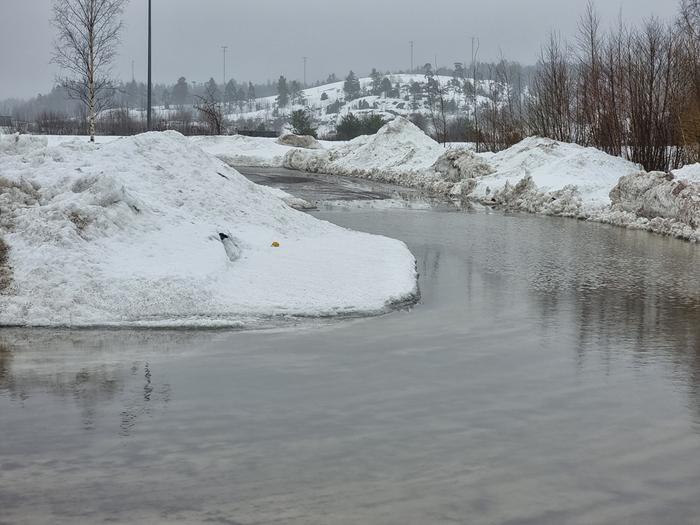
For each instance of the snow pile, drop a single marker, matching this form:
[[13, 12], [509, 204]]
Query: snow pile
[[526, 196], [400, 153], [153, 231], [299, 141], [689, 173], [462, 167], [585, 176], [238, 150], [656, 202], [459, 164], [16, 144]]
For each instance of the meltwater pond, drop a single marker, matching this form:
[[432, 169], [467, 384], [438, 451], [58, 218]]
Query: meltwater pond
[[549, 375]]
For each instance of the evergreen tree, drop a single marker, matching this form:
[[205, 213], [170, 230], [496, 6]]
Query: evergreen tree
[[351, 126], [376, 82], [282, 92], [230, 92], [352, 86], [241, 97], [251, 91], [458, 76], [302, 124], [212, 90], [348, 128], [386, 87], [167, 99], [181, 92]]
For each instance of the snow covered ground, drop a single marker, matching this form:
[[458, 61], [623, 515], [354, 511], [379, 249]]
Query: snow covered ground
[[327, 103], [153, 231]]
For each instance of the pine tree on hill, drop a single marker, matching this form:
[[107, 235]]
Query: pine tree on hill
[[282, 92], [376, 82], [352, 86]]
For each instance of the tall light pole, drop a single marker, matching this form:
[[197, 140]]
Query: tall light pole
[[224, 48], [150, 83], [305, 59], [411, 43]]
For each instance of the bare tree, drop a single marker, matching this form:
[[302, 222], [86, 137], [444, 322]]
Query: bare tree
[[437, 93], [552, 107], [689, 24], [88, 34], [210, 109]]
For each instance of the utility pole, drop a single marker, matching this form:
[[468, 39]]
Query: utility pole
[[224, 48], [305, 59], [150, 83], [411, 43], [475, 54]]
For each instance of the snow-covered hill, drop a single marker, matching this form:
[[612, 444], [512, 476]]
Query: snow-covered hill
[[328, 104]]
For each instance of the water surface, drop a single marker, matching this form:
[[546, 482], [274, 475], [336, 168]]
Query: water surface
[[550, 375]]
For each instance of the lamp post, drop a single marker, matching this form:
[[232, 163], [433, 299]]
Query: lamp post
[[148, 114], [224, 48], [305, 59]]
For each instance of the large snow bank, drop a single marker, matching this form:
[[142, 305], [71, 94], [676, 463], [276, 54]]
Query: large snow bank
[[546, 168], [238, 150], [153, 231], [400, 153]]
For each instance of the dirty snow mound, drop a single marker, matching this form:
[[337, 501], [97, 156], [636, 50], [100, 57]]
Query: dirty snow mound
[[656, 202], [555, 166], [299, 141], [152, 231], [459, 164]]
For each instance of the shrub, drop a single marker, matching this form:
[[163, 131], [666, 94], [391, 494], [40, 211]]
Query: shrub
[[334, 107], [351, 126], [302, 124]]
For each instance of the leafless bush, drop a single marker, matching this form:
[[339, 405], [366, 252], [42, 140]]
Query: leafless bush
[[53, 123], [633, 92], [120, 122], [211, 111], [551, 109]]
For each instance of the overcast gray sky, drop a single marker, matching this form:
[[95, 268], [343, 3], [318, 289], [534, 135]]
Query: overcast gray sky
[[267, 38]]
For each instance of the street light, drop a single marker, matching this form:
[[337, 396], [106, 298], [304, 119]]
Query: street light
[[148, 114]]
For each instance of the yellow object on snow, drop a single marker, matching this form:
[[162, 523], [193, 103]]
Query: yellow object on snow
[[275, 244]]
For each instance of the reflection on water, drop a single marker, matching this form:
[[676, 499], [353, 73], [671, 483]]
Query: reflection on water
[[551, 374], [87, 369]]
